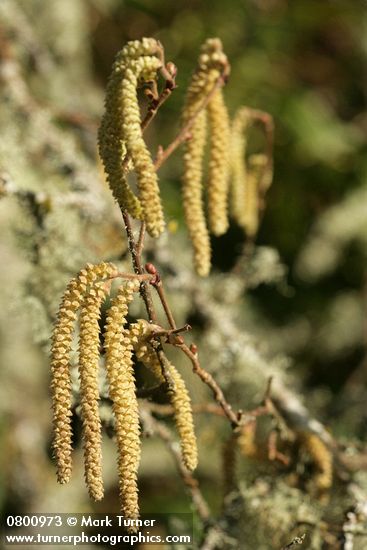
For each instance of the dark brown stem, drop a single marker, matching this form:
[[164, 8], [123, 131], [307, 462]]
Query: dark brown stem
[[146, 296], [162, 296], [200, 408], [207, 378], [144, 290], [140, 244]]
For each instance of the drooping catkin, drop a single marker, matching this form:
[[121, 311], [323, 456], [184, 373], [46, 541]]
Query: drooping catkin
[[192, 197], [120, 376], [89, 392], [322, 458], [120, 134], [179, 396], [147, 180], [211, 64], [238, 169], [246, 440], [60, 363], [255, 171], [218, 164]]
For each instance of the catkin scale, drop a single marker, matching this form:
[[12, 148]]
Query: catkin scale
[[60, 363], [179, 396], [120, 376]]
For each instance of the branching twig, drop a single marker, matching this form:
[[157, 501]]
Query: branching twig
[[207, 378]]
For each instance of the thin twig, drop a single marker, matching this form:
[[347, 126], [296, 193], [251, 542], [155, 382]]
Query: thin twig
[[164, 154], [144, 291], [168, 410], [207, 378], [146, 296], [162, 296], [140, 244]]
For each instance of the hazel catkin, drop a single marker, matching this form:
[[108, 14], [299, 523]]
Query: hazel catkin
[[212, 63], [120, 135], [218, 164], [238, 168], [179, 396], [120, 376], [322, 458], [251, 211], [60, 363], [89, 392]]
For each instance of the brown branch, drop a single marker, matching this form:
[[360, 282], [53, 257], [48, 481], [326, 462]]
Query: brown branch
[[136, 260], [146, 296], [168, 410], [207, 378], [140, 243]]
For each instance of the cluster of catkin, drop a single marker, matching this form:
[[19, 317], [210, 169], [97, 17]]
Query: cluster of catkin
[[212, 65], [229, 173], [121, 144], [85, 295], [244, 441], [123, 149]]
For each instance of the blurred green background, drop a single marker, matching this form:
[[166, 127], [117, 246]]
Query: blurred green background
[[305, 63]]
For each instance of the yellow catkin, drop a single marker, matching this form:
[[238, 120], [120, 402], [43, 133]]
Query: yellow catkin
[[147, 180], [120, 134], [218, 164], [322, 459], [246, 440], [238, 171], [255, 171], [192, 196], [179, 396], [89, 391], [112, 148], [210, 66], [60, 363], [120, 376]]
